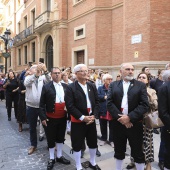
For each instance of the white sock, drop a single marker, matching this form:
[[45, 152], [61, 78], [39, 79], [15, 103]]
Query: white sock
[[92, 156], [51, 152], [59, 147], [140, 166], [119, 164], [166, 168], [77, 158]]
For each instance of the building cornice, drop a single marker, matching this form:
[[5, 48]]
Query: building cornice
[[95, 9]]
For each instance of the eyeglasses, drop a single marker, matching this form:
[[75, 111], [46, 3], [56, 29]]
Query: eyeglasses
[[56, 73], [141, 77], [118, 76], [83, 71], [128, 69]]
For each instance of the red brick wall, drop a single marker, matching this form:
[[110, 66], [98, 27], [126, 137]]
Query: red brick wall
[[117, 36], [103, 40], [136, 21], [160, 30]]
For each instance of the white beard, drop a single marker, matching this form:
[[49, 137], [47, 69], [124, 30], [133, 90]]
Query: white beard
[[129, 78]]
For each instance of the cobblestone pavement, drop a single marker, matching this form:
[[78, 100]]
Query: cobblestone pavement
[[14, 148]]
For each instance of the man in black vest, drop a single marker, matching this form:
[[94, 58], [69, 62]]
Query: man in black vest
[[127, 102], [53, 116], [83, 104]]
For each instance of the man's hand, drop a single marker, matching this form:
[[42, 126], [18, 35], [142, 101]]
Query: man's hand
[[92, 118], [42, 67], [128, 125], [23, 91], [124, 119], [87, 119], [44, 122]]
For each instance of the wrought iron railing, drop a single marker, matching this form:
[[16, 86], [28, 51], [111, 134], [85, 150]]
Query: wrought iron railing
[[24, 34]]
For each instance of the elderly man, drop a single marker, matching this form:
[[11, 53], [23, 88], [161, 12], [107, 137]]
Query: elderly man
[[127, 102], [83, 104], [164, 114], [34, 82], [53, 116]]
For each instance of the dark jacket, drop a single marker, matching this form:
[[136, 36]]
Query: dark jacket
[[47, 99], [164, 104], [102, 92], [75, 99], [137, 100]]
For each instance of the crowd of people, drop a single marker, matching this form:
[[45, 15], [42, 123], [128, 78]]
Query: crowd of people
[[72, 100]]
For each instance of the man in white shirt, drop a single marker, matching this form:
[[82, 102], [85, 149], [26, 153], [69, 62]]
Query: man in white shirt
[[127, 102], [54, 116], [83, 104]]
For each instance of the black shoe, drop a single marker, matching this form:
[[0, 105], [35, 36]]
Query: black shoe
[[41, 138], [9, 119], [82, 153], [155, 131], [96, 167], [63, 160], [50, 164], [130, 166], [98, 154], [161, 165]]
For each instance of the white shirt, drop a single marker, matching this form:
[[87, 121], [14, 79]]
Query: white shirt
[[84, 87], [124, 104], [59, 92]]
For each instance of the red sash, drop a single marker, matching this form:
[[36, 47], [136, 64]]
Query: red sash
[[73, 119], [107, 117], [59, 111]]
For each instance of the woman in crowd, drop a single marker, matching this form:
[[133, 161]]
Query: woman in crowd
[[104, 115], [2, 95], [11, 85], [64, 77], [21, 117], [148, 133]]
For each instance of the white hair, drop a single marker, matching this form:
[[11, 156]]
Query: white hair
[[166, 75], [167, 65], [78, 67], [33, 67], [106, 76]]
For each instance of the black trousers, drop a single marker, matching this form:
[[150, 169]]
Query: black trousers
[[80, 132], [104, 131], [166, 135], [12, 97], [55, 131], [135, 137]]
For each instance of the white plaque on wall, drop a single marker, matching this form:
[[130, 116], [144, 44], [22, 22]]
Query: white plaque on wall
[[91, 61], [136, 39]]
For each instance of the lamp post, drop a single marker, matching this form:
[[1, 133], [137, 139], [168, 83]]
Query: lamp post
[[6, 37]]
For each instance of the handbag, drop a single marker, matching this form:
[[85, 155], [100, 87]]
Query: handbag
[[152, 120]]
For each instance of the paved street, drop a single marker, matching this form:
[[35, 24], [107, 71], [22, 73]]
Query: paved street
[[14, 147]]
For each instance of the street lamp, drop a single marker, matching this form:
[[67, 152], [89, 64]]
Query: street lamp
[[6, 38]]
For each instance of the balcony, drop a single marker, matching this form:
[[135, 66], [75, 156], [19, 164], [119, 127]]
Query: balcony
[[24, 36], [43, 21]]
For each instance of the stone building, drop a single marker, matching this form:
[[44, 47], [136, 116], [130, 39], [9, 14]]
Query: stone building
[[100, 33]]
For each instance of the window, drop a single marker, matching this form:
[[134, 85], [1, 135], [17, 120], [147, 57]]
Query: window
[[33, 52], [19, 56], [79, 32], [48, 5], [25, 21], [25, 54], [19, 27], [33, 17]]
